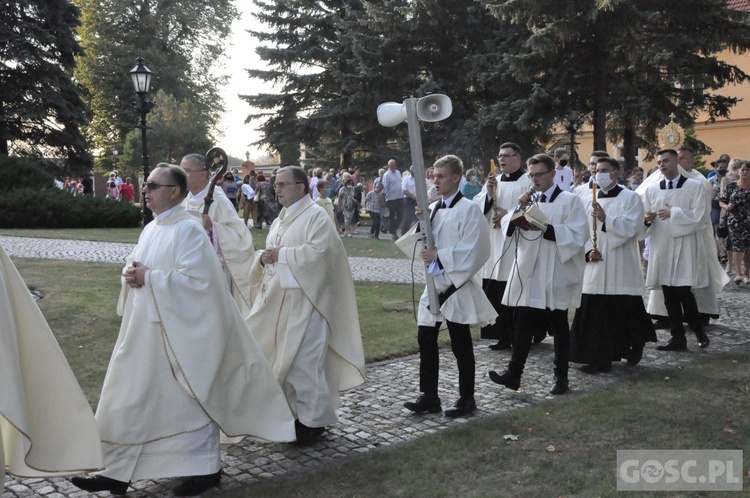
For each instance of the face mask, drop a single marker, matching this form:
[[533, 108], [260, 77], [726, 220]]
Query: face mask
[[722, 172], [603, 179], [328, 192], [563, 162], [473, 178]]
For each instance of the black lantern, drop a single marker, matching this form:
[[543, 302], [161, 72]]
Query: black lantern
[[141, 77]]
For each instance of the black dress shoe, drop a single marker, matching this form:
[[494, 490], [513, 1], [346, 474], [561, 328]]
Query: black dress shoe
[[703, 340], [673, 345], [560, 386], [305, 434], [538, 338], [464, 406], [100, 483], [595, 368], [506, 379], [197, 485], [501, 345], [635, 356], [424, 404]]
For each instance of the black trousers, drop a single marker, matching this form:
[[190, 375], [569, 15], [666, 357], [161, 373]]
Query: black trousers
[[396, 207], [680, 301], [374, 223], [429, 360], [502, 329], [410, 217], [533, 321]]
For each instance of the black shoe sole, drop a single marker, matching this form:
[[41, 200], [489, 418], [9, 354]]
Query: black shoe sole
[[497, 379]]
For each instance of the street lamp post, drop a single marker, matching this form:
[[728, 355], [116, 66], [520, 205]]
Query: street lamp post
[[141, 76]]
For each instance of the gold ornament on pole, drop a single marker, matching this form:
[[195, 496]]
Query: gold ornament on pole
[[671, 136]]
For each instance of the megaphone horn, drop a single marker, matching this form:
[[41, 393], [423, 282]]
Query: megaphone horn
[[434, 108], [391, 114]]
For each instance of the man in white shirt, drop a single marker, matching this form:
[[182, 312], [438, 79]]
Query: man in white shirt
[[394, 198], [563, 172], [409, 188]]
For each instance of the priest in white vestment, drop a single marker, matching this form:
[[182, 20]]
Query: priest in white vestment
[[498, 196], [47, 427], [547, 274], [705, 297], [676, 212], [584, 189], [304, 312], [226, 230], [462, 247], [611, 324], [185, 368]]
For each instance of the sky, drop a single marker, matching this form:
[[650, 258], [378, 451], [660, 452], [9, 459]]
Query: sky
[[241, 56]]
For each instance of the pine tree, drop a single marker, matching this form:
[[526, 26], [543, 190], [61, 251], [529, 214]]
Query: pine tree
[[41, 110]]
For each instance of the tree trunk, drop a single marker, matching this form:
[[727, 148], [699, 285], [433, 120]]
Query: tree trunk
[[629, 145]]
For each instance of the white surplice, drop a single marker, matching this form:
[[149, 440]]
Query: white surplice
[[304, 313], [619, 272], [184, 358], [559, 264], [677, 251], [462, 240], [232, 240], [47, 427], [503, 248]]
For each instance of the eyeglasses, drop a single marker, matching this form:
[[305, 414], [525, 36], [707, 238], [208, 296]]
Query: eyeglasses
[[506, 156], [284, 184], [155, 186], [188, 171], [537, 175]]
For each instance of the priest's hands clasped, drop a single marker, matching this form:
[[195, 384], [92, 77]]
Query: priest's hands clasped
[[135, 275], [270, 256]]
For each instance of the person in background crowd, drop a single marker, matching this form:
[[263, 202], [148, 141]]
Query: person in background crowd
[[733, 174], [248, 193], [409, 187], [636, 178], [563, 173], [348, 205], [736, 200], [472, 187], [230, 189], [113, 192], [374, 202], [324, 200], [127, 190], [265, 202], [394, 198]]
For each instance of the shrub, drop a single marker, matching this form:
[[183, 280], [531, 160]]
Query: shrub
[[21, 172], [53, 208]]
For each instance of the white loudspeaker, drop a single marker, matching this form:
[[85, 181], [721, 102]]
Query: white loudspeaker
[[391, 114], [433, 108]]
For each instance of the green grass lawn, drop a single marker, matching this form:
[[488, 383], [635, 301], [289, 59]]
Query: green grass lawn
[[359, 247]]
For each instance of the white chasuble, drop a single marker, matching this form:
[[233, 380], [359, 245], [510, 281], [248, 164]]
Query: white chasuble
[[503, 248], [461, 237], [545, 273], [232, 239], [46, 424], [184, 356], [677, 251], [619, 272], [311, 277]]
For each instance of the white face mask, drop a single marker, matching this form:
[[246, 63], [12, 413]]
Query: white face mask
[[603, 179]]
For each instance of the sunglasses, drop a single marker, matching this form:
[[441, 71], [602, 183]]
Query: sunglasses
[[155, 186]]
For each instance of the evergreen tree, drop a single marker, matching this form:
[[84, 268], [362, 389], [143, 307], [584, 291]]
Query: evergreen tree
[[627, 64], [41, 111], [182, 42]]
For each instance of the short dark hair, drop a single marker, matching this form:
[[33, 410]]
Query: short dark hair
[[542, 159], [177, 176], [298, 175], [667, 151], [612, 162], [685, 148], [511, 145], [323, 184], [599, 154]]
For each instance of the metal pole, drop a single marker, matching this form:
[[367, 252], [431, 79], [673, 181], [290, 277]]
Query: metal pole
[[147, 215], [415, 143]]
